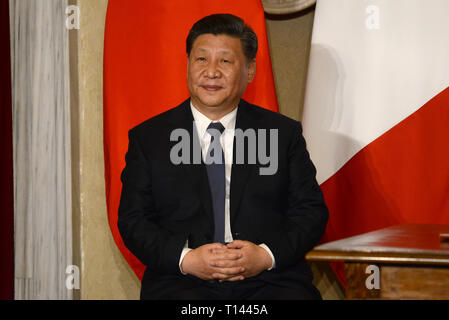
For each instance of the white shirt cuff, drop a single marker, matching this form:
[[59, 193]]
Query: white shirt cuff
[[183, 253], [273, 264]]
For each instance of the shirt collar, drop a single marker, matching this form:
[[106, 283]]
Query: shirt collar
[[202, 122]]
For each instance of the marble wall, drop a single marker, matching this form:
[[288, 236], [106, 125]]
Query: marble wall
[[41, 142]]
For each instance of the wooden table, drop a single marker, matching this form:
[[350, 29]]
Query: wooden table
[[411, 261]]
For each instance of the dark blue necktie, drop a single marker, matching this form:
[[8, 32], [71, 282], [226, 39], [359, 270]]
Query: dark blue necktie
[[216, 173]]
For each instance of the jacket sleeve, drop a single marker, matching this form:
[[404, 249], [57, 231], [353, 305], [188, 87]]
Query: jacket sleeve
[[306, 216], [153, 245]]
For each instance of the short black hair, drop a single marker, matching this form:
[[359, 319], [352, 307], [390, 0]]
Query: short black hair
[[226, 24]]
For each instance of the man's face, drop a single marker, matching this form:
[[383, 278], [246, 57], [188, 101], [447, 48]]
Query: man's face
[[218, 72]]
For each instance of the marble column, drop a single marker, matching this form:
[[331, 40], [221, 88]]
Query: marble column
[[41, 140]]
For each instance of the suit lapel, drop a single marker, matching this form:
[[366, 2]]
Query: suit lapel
[[195, 172], [240, 172]]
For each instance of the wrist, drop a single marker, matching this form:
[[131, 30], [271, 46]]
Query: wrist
[[271, 263], [185, 263], [266, 258]]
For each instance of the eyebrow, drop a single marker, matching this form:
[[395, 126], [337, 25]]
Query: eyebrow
[[222, 51]]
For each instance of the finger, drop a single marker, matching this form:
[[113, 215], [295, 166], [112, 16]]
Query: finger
[[236, 244], [228, 263], [226, 256], [221, 273], [216, 246], [220, 250], [232, 279]]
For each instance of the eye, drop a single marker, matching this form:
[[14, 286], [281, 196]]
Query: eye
[[201, 59], [225, 61]]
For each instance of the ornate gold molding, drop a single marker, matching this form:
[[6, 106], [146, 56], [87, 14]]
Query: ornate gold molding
[[286, 6]]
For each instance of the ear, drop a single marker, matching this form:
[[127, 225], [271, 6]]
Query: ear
[[188, 64], [251, 70]]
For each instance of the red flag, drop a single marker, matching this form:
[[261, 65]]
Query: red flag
[[145, 74]]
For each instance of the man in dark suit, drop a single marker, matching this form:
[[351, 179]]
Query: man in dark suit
[[205, 223]]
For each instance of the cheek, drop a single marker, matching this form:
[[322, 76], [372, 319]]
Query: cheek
[[239, 80], [232, 77], [194, 74], [191, 80]]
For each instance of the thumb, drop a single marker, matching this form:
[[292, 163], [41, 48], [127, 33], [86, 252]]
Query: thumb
[[216, 245], [236, 244]]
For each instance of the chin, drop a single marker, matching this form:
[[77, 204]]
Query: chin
[[212, 103]]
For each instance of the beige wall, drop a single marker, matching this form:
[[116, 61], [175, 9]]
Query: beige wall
[[104, 272], [289, 37]]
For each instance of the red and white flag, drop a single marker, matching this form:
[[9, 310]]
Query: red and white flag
[[145, 74], [376, 114]]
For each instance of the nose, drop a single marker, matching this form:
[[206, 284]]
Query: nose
[[212, 70]]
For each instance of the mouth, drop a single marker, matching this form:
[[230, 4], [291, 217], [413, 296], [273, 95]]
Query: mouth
[[211, 88]]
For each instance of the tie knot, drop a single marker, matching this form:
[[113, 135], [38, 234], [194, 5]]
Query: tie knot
[[215, 126]]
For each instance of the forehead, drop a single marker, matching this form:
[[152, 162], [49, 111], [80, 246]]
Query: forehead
[[221, 42]]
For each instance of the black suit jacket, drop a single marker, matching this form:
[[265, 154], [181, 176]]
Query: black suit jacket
[[163, 205]]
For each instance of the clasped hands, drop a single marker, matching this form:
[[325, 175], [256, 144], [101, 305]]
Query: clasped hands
[[232, 262]]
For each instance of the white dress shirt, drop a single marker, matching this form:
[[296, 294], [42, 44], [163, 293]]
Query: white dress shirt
[[227, 141]]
